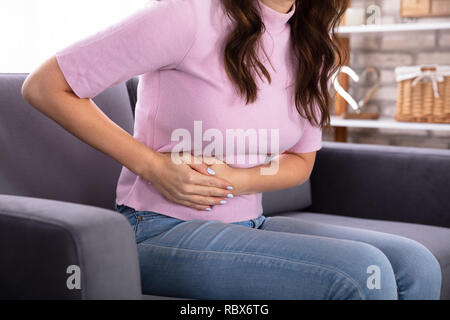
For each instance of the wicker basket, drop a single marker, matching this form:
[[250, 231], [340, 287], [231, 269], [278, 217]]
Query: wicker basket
[[423, 94]]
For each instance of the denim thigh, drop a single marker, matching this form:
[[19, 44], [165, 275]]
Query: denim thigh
[[276, 258], [202, 259], [417, 272]]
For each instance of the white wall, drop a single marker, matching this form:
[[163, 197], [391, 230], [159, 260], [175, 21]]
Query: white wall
[[33, 30]]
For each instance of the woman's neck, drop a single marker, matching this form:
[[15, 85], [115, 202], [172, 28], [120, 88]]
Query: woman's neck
[[283, 6]]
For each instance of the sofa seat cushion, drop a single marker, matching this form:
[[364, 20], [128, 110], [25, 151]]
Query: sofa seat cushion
[[436, 239]]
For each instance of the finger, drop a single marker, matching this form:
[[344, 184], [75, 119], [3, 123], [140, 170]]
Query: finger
[[200, 166], [194, 205], [208, 160], [208, 180], [206, 201], [189, 204], [185, 193], [208, 191]]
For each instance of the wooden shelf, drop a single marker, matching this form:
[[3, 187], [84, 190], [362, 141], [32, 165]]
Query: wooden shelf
[[398, 27], [340, 106], [345, 33], [389, 123]]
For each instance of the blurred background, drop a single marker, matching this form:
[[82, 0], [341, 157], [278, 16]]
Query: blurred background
[[32, 30], [411, 33]]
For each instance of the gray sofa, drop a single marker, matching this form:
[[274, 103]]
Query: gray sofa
[[57, 201]]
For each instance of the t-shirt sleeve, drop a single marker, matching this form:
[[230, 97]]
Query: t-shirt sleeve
[[310, 141], [155, 37]]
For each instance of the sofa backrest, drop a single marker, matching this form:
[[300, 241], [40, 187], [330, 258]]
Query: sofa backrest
[[41, 159]]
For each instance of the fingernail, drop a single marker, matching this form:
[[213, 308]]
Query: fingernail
[[230, 195], [210, 171], [230, 188], [222, 202], [208, 209]]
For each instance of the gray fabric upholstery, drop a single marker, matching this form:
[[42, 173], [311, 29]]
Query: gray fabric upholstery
[[41, 159], [296, 198], [40, 238], [132, 86], [382, 182], [436, 239]]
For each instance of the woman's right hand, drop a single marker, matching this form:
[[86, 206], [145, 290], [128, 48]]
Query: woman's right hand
[[187, 183]]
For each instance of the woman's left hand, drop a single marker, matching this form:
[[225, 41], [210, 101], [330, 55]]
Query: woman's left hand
[[223, 170]]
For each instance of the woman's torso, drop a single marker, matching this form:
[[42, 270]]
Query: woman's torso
[[197, 101]]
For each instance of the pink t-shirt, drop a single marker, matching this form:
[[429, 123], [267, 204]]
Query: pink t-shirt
[[185, 97]]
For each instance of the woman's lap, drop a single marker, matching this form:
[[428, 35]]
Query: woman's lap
[[267, 258], [414, 265]]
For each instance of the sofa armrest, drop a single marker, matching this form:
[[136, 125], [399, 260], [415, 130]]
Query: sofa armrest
[[40, 239], [405, 184]]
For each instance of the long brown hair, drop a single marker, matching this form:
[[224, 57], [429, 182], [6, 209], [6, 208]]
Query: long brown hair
[[318, 52]]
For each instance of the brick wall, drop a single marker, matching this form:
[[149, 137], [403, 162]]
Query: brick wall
[[386, 51]]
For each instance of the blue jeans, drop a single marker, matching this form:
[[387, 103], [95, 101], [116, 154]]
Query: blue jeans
[[278, 258]]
